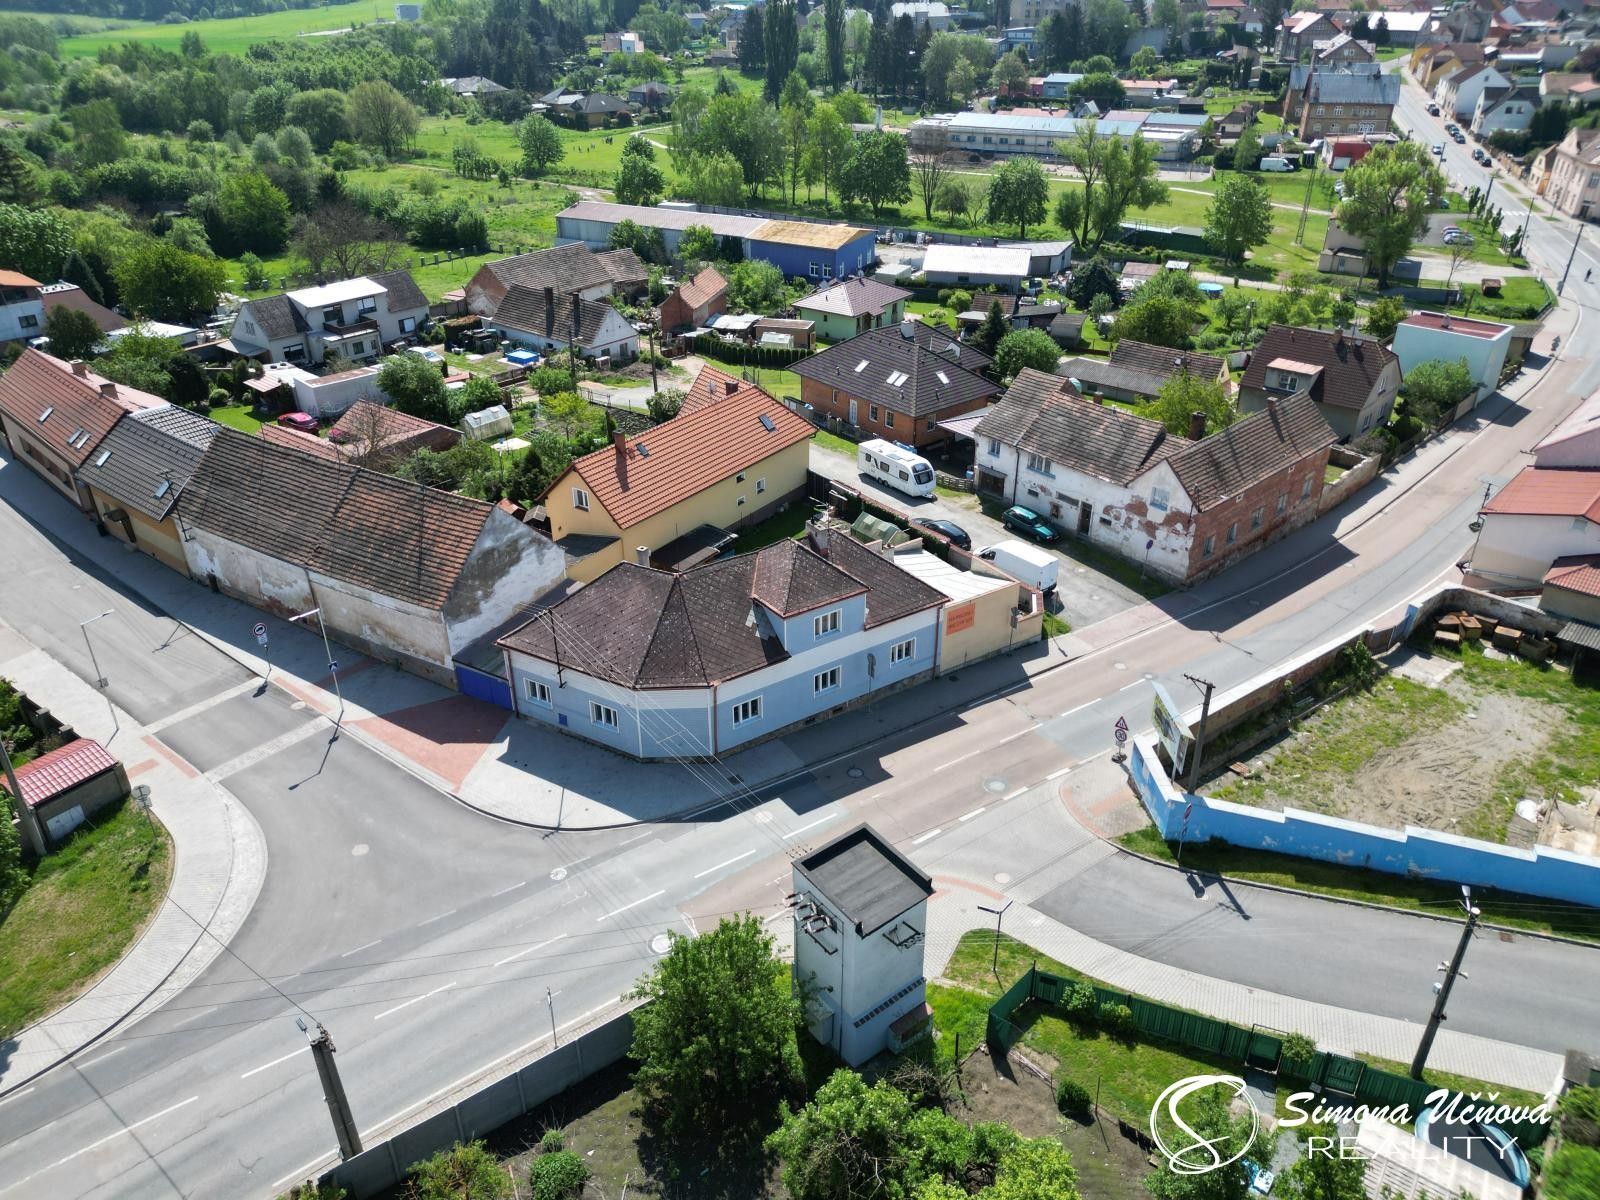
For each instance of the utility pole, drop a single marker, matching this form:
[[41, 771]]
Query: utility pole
[[1583, 215], [999, 915], [1443, 988], [1305, 209], [550, 1000], [344, 1124], [1206, 686], [99, 678]]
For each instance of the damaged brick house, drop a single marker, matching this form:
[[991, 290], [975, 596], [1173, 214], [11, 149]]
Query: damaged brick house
[[1182, 508]]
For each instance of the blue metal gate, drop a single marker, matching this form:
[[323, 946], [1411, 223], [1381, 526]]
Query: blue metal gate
[[482, 686]]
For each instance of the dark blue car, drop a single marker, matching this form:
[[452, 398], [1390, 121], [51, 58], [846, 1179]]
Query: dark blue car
[[1025, 520]]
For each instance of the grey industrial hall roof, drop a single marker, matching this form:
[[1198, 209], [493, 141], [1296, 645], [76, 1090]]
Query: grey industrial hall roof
[[607, 212], [940, 372], [146, 450], [870, 881]]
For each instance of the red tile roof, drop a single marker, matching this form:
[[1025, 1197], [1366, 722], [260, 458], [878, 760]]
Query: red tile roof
[[61, 770], [1549, 493], [68, 413], [366, 421], [1575, 573], [298, 439], [702, 288], [1469, 326], [712, 385], [684, 456], [16, 279]]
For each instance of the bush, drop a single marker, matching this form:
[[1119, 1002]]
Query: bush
[[552, 1141], [466, 1169], [1072, 1098], [1079, 1002], [1298, 1051], [558, 1176], [1117, 1019]]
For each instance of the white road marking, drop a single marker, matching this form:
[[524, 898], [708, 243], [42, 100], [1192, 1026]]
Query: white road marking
[[359, 949], [819, 821], [82, 1150], [389, 1012], [982, 808], [1134, 684], [632, 840], [529, 950], [440, 917], [183, 714], [1080, 708], [275, 1062], [95, 1062], [1058, 774], [720, 865], [932, 833], [689, 921], [193, 1017], [635, 904], [958, 761], [1019, 733], [576, 861], [512, 888], [1012, 795]]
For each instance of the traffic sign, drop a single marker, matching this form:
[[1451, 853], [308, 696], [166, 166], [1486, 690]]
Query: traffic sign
[[1120, 731], [1122, 725]]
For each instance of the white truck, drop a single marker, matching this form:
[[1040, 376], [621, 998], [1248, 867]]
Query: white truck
[[1033, 566], [1277, 163]]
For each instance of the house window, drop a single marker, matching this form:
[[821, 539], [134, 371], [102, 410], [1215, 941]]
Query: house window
[[407, 324], [901, 651], [602, 714], [994, 448], [28, 321], [761, 486], [1211, 545], [367, 304], [827, 623], [1040, 465], [1305, 489], [746, 711], [580, 499], [872, 411], [1160, 499], [816, 268], [538, 691], [930, 425], [1255, 519], [888, 418], [1283, 503], [825, 681], [333, 315], [1233, 533], [358, 347], [827, 270], [739, 478]]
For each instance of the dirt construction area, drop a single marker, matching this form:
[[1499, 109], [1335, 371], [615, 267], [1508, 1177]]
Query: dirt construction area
[[1477, 743]]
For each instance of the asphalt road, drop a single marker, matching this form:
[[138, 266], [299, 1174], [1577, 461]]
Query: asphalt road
[[425, 936]]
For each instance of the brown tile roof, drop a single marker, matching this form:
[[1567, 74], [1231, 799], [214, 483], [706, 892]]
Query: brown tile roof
[[703, 288], [1575, 573], [853, 298], [1544, 492], [382, 426], [714, 384], [301, 441], [375, 531], [70, 295], [1044, 415], [682, 457], [1351, 366], [551, 316], [791, 580], [1163, 360], [61, 770], [1252, 449], [570, 268], [919, 375], [17, 279], [66, 412], [623, 266], [892, 593]]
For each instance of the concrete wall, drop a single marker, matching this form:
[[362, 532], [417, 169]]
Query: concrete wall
[[1580, 451], [328, 401], [1359, 471], [383, 1165], [61, 815], [1578, 605], [159, 539], [1485, 357], [1515, 549], [509, 565], [975, 629]]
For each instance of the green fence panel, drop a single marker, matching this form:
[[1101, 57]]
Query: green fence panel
[[1049, 988], [1341, 1074], [1235, 1043], [1380, 1088]]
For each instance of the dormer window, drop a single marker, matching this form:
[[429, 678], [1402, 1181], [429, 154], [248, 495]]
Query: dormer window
[[1287, 381]]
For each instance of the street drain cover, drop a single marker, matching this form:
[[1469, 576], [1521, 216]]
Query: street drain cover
[[855, 773], [994, 785], [660, 943]]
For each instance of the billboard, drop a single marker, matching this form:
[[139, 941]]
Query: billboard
[[1177, 739]]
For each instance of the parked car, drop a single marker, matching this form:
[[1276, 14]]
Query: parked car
[[304, 422], [1033, 566], [956, 535], [1461, 138], [427, 354], [1433, 110], [1025, 520], [1451, 128], [1277, 163], [1455, 236], [1438, 149]]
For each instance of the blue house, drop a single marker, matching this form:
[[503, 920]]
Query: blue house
[[657, 664], [809, 250]]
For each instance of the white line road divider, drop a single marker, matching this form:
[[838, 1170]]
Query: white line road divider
[[643, 900], [720, 865], [529, 950], [275, 1062], [389, 1012]]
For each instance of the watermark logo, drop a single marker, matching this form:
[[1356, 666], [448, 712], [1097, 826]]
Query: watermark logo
[[1187, 1151]]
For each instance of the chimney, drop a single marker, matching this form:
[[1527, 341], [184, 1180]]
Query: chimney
[[80, 368], [620, 441], [908, 328], [641, 555], [575, 321], [1272, 407], [732, 385], [550, 310], [818, 529], [1197, 426], [108, 389]]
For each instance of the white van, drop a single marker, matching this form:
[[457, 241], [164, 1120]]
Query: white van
[[1276, 163], [1033, 566], [896, 467]]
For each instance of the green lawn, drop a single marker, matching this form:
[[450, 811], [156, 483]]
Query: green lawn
[[832, 441], [87, 902], [233, 35], [1521, 299], [1375, 887], [237, 416], [790, 523], [779, 382]]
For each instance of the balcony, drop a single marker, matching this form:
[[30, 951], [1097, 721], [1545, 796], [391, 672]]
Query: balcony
[[337, 331]]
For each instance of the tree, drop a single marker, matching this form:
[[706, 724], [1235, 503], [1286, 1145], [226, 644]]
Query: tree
[[1143, 63], [993, 330], [1102, 88], [1026, 348], [416, 387], [1118, 173], [1383, 316], [755, 286], [711, 1065], [834, 40], [852, 1142], [97, 128], [639, 180], [1207, 1114], [1018, 193], [251, 214], [716, 178], [782, 44], [876, 172], [1107, 25], [1169, 16], [647, 241], [541, 144], [794, 119], [1387, 197], [155, 364], [928, 168], [1433, 388], [827, 144], [1239, 217], [1010, 74], [1328, 1176], [345, 241], [466, 1171], [381, 117], [697, 244], [72, 334], [1094, 278], [1247, 150], [294, 144], [1160, 321], [36, 242], [752, 42], [19, 183], [157, 280], [960, 197], [665, 404], [944, 53], [1032, 1169], [1183, 395], [321, 113]]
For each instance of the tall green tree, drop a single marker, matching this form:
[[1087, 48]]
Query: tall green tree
[[1025, 348], [1160, 321], [993, 330], [541, 144], [876, 172], [1206, 1112], [1384, 315], [1431, 389], [1239, 217], [19, 182], [35, 241], [782, 31], [639, 180], [97, 127], [827, 145], [1010, 74], [1018, 193], [716, 1042], [72, 334], [1169, 16], [834, 42], [1118, 173], [1387, 198], [381, 117], [251, 214], [854, 1142], [157, 280], [1183, 395], [415, 386], [753, 41], [321, 113]]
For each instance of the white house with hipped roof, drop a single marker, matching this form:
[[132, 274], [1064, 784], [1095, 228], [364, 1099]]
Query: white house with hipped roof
[[353, 318]]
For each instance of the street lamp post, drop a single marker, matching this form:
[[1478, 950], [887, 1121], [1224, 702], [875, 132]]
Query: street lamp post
[[1583, 215], [99, 679], [333, 664]]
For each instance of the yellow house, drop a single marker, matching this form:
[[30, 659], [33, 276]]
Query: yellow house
[[675, 491], [138, 471]]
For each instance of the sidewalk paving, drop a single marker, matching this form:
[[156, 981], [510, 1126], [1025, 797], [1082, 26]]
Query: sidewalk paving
[[219, 863]]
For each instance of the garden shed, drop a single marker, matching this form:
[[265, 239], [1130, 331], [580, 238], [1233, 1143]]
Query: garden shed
[[487, 424]]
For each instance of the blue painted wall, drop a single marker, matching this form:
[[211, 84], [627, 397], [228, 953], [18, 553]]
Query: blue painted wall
[[1424, 853], [799, 261]]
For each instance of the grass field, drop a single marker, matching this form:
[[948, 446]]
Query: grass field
[[86, 904], [233, 35]]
